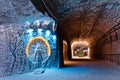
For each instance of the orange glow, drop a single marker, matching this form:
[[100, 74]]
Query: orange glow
[[38, 39], [80, 43], [64, 42]]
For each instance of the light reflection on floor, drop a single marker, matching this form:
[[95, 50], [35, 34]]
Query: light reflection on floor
[[74, 70]]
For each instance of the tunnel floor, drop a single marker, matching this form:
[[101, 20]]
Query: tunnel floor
[[75, 70]]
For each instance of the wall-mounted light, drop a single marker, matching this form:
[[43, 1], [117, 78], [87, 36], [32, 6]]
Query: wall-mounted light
[[29, 31]]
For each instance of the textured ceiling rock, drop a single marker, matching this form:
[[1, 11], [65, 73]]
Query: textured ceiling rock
[[10, 10], [6, 10], [84, 19], [24, 7]]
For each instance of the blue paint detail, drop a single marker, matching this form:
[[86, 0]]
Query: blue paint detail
[[36, 29]]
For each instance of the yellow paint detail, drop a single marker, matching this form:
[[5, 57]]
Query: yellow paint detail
[[38, 39]]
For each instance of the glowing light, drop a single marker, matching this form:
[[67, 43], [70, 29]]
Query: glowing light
[[64, 42], [37, 39], [37, 23], [88, 52], [85, 57], [29, 30], [40, 30], [80, 43], [47, 33], [54, 37]]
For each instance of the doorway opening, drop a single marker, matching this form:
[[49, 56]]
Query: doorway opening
[[80, 50], [65, 51]]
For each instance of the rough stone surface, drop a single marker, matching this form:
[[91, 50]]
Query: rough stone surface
[[13, 59], [13, 41], [11, 10], [84, 19], [111, 51]]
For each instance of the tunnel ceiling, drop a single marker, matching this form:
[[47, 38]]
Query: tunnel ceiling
[[83, 19]]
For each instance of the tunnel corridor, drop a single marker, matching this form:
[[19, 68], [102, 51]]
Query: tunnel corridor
[[95, 23], [60, 40]]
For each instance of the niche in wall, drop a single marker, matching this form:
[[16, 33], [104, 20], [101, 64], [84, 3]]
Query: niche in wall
[[80, 50]]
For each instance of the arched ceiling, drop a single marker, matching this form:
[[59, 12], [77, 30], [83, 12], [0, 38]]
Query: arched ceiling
[[83, 19]]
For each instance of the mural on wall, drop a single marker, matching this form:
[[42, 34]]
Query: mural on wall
[[13, 44], [80, 50], [38, 51], [40, 38]]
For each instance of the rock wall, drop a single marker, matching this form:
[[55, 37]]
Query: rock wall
[[12, 51], [13, 59], [13, 38], [11, 10], [111, 52]]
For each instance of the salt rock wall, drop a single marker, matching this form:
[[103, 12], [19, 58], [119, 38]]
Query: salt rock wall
[[12, 51], [13, 59], [13, 40], [11, 10]]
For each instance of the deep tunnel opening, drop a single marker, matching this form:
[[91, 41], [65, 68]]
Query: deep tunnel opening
[[85, 32], [103, 48]]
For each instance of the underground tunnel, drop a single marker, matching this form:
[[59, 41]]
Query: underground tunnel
[[59, 39]]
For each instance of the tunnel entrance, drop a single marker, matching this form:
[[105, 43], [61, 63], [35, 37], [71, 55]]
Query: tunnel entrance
[[80, 50]]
